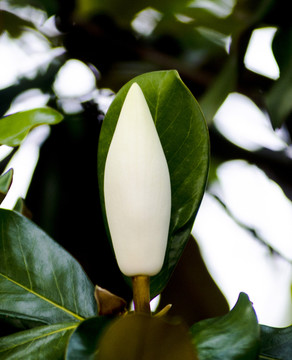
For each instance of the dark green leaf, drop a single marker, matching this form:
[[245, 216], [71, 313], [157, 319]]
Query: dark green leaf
[[146, 338], [44, 342], [5, 183], [13, 24], [278, 99], [184, 138], [234, 336], [84, 341], [39, 280], [276, 343], [218, 92], [15, 127]]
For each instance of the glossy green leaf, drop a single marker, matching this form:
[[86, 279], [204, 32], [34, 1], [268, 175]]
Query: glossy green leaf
[[184, 137], [234, 336], [15, 127], [44, 342], [39, 280], [138, 336], [5, 183], [276, 343], [83, 342]]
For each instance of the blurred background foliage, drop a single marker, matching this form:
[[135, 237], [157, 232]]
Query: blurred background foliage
[[74, 55]]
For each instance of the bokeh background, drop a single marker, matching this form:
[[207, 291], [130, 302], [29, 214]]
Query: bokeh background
[[236, 58]]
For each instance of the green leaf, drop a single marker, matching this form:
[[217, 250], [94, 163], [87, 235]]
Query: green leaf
[[15, 127], [276, 343], [214, 97], [5, 183], [39, 280], [234, 336], [278, 97], [184, 137], [44, 342], [83, 342], [138, 336], [13, 24]]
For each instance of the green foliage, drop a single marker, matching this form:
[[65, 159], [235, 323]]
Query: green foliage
[[43, 290], [15, 127], [276, 343], [235, 336], [84, 342], [5, 183], [184, 138], [47, 342], [49, 285]]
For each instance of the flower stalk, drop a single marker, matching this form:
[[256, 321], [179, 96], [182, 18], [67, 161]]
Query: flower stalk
[[141, 293]]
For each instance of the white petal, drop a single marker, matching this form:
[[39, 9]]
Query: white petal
[[137, 189]]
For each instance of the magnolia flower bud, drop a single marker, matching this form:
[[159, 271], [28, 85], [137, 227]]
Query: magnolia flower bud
[[137, 189]]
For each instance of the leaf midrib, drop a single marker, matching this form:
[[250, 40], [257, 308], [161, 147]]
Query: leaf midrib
[[43, 298], [39, 337]]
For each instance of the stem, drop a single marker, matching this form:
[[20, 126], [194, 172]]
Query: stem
[[141, 293]]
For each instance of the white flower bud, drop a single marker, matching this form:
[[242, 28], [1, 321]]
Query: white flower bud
[[137, 189]]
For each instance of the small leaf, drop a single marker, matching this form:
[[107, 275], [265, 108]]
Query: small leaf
[[234, 336], [39, 280], [21, 207], [108, 303], [138, 336], [276, 343], [44, 342], [15, 127], [5, 183], [184, 137], [83, 342]]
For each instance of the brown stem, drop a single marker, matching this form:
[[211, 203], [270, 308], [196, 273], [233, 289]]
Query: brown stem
[[141, 293]]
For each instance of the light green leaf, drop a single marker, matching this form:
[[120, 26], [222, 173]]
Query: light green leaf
[[39, 280], [234, 336], [44, 342], [184, 137], [5, 183], [15, 127]]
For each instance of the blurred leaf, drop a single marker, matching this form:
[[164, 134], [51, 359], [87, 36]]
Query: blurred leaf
[[216, 94], [44, 342], [124, 11], [83, 342], [278, 99], [43, 80], [184, 138], [39, 280], [184, 289], [50, 6], [5, 183], [13, 24], [234, 336], [276, 343], [138, 336], [15, 127]]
